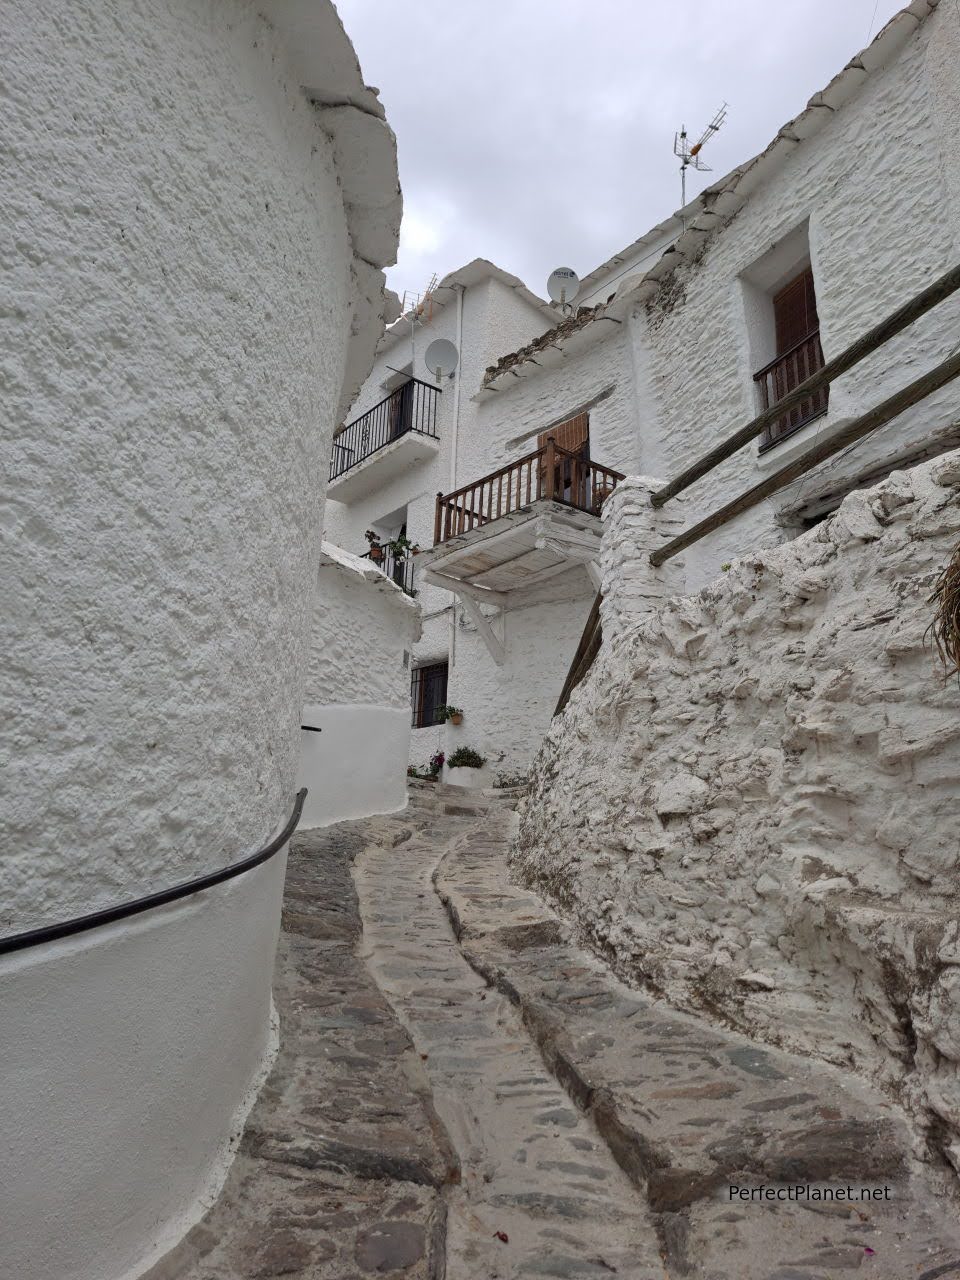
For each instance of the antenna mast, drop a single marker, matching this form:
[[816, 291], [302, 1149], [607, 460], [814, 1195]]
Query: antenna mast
[[690, 156]]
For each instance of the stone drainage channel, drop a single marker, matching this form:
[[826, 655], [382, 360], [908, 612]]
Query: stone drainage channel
[[539, 1192]]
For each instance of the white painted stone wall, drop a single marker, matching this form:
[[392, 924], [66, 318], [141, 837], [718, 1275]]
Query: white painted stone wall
[[494, 318], [191, 267], [507, 709], [875, 189], [357, 692], [750, 806]]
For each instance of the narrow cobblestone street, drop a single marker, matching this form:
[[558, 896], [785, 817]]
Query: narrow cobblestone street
[[540, 1193], [463, 1092]]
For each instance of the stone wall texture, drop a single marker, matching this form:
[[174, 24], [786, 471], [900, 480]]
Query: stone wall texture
[[750, 804], [876, 235], [363, 626], [181, 268]]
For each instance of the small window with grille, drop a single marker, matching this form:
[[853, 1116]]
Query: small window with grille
[[428, 693]]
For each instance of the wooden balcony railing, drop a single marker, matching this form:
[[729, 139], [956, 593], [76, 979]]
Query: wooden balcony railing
[[783, 375], [410, 407], [549, 474]]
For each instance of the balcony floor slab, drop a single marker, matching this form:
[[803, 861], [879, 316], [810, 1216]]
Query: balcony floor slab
[[383, 465]]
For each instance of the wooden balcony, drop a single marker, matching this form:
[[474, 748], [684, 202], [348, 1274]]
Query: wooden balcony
[[528, 528], [550, 474], [782, 376]]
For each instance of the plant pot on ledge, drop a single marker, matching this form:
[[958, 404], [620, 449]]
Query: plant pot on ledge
[[469, 778], [457, 719]]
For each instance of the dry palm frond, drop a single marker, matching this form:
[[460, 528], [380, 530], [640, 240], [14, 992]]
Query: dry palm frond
[[945, 627]]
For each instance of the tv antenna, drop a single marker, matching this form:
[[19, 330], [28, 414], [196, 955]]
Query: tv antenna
[[562, 286], [690, 156]]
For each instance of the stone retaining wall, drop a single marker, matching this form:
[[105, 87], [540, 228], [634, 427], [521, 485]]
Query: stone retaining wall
[[750, 805]]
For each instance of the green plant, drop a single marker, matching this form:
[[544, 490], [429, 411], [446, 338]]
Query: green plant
[[726, 567], [466, 758], [447, 712], [400, 547]]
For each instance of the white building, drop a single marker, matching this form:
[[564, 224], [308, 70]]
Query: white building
[[192, 266], [849, 213], [408, 439], [356, 700]]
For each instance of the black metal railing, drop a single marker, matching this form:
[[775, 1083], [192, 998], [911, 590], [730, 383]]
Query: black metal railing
[[67, 928], [783, 375], [398, 569], [411, 407]]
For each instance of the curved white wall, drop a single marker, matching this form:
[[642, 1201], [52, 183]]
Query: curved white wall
[[128, 1056], [357, 691], [183, 266], [192, 277], [356, 765]]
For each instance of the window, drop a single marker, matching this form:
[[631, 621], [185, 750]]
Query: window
[[799, 356], [428, 692]]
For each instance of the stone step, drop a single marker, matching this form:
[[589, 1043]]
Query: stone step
[[690, 1110]]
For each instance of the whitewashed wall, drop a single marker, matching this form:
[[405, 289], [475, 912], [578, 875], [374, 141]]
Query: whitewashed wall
[[876, 191], [357, 693], [509, 422], [176, 355], [494, 318], [750, 804], [508, 708]]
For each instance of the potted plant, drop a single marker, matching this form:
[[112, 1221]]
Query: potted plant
[[399, 547], [376, 551], [436, 764], [453, 714], [467, 768]]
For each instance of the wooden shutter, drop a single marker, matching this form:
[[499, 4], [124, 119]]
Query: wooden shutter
[[795, 312], [572, 434]]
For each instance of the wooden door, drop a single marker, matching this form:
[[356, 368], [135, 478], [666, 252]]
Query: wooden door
[[571, 480]]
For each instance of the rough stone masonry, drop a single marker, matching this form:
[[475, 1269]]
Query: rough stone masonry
[[750, 805]]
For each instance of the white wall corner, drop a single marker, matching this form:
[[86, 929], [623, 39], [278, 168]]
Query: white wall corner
[[633, 527]]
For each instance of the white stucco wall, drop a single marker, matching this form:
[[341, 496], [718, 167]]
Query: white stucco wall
[[508, 708], [191, 267], [129, 1058], [750, 804], [494, 318], [874, 187], [356, 692]]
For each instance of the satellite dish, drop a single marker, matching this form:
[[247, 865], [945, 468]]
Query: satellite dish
[[441, 357], [562, 285]]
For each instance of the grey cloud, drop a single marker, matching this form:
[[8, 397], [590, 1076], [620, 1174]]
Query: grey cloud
[[540, 132]]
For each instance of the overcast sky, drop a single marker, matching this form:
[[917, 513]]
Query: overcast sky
[[539, 133]]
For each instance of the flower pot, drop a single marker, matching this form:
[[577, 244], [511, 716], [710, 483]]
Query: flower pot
[[472, 779], [457, 719], [376, 554]]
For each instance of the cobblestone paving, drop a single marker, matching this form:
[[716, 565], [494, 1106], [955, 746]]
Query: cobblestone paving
[[690, 1109], [541, 1194], [343, 1163], [462, 1093]]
